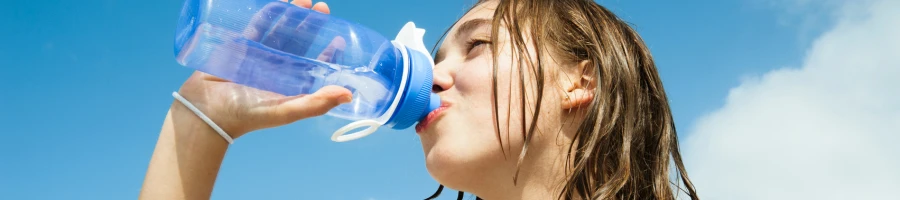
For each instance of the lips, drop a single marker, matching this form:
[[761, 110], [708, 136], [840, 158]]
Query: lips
[[431, 117]]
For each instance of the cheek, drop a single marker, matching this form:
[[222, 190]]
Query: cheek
[[473, 80], [474, 83], [467, 148]]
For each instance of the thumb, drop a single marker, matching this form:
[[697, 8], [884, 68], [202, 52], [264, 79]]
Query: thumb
[[312, 105]]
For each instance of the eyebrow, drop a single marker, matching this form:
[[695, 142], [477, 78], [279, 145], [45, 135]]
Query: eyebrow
[[466, 27], [470, 25]]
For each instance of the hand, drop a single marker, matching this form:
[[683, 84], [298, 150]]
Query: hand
[[238, 109]]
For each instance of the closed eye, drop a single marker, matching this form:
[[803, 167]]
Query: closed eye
[[475, 43]]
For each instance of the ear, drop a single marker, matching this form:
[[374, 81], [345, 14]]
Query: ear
[[578, 86]]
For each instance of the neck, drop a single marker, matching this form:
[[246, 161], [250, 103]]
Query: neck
[[542, 173]]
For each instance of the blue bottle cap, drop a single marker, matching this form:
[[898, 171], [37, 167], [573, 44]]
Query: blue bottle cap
[[417, 100]]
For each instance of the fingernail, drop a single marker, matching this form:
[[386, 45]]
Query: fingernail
[[347, 99]]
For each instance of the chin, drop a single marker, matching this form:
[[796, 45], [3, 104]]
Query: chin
[[449, 166], [460, 159]]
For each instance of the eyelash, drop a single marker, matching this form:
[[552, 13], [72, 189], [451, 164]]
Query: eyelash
[[472, 43]]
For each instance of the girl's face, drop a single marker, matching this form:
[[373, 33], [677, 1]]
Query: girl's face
[[462, 148]]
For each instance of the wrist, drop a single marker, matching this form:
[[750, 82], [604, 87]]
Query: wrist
[[205, 118], [186, 159], [186, 121]]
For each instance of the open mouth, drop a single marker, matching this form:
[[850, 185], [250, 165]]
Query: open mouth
[[431, 117]]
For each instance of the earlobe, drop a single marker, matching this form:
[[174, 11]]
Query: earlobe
[[580, 91], [577, 98]]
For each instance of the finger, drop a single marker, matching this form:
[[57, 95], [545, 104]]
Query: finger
[[334, 51], [210, 77], [282, 35], [322, 7], [262, 21], [308, 29], [302, 3], [312, 105]]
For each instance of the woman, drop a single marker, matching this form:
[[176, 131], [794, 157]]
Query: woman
[[578, 111]]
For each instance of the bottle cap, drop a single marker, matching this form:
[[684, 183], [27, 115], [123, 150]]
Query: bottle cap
[[417, 100], [415, 97]]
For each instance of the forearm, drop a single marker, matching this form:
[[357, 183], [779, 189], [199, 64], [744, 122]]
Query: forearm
[[186, 159]]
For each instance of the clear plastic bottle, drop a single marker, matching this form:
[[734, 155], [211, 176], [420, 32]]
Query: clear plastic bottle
[[275, 46]]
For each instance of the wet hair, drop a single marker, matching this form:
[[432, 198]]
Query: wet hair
[[625, 138]]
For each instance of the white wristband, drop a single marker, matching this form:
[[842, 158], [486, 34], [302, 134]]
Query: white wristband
[[203, 117]]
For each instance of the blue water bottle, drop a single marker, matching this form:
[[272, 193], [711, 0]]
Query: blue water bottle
[[290, 50]]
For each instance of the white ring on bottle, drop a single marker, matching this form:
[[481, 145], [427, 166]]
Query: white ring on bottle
[[339, 136]]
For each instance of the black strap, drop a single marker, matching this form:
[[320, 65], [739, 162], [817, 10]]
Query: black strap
[[436, 193], [459, 195]]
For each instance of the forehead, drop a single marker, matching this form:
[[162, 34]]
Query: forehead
[[482, 10]]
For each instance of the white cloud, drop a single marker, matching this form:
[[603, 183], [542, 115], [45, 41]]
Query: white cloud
[[827, 130]]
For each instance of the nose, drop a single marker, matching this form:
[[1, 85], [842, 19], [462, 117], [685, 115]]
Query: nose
[[443, 79]]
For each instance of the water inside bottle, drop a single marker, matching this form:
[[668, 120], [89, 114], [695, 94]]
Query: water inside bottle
[[231, 56]]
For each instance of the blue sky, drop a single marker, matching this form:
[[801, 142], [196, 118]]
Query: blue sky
[[86, 85]]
